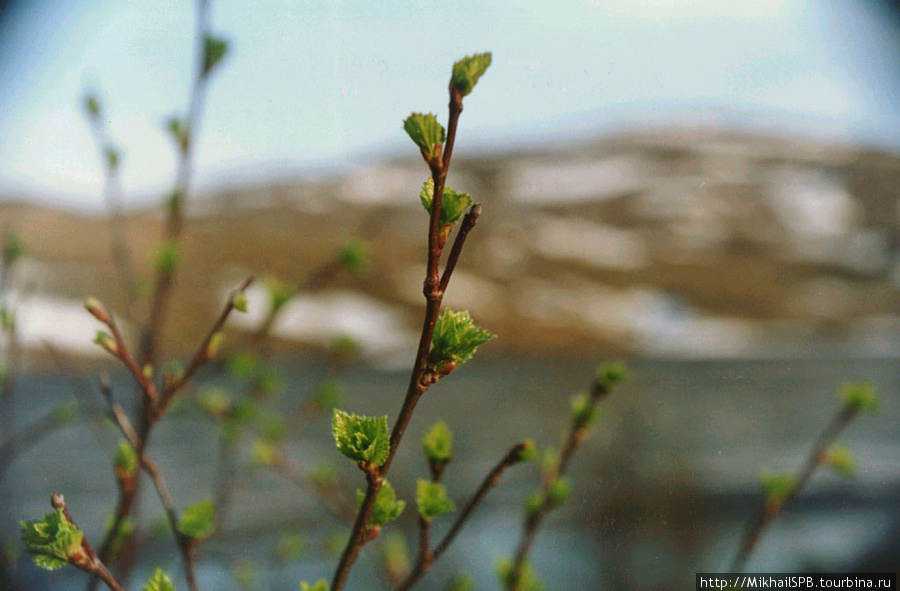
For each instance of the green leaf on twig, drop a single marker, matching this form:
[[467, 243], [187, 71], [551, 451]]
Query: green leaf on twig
[[527, 451], [453, 204], [559, 491], [611, 374], [456, 338], [778, 486], [125, 460], [166, 257], [860, 397], [584, 410], [362, 439], [387, 507], [432, 499], [438, 443], [159, 582], [840, 459], [528, 580], [214, 50], [279, 293], [426, 132], [468, 70], [198, 520], [51, 541]]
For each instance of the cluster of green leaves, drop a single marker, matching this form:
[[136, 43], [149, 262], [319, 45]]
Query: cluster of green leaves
[[387, 506], [432, 499], [362, 439], [159, 582], [51, 541], [438, 444], [198, 521], [453, 204], [456, 338]]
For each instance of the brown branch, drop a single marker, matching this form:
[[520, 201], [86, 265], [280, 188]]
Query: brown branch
[[87, 559], [771, 510], [465, 227], [186, 545], [577, 433], [429, 557]]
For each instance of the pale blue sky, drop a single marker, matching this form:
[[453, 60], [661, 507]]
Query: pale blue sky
[[326, 83]]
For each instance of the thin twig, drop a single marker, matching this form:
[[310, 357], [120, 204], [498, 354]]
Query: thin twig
[[86, 560], [429, 557], [575, 436], [771, 510]]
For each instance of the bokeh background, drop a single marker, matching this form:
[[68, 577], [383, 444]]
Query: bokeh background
[[706, 189]]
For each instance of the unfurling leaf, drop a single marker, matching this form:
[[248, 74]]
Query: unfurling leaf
[[453, 203], [611, 374], [387, 508], [214, 50], [425, 132], [468, 70], [362, 439], [438, 443], [125, 461], [860, 397], [51, 541], [456, 338], [840, 459], [198, 520], [159, 582], [432, 499]]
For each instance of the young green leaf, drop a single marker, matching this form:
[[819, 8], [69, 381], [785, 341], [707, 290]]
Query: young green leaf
[[534, 504], [559, 491], [198, 520], [425, 132], [125, 461], [51, 541], [320, 585], [395, 553], [461, 582], [13, 248], [453, 204], [353, 255], [456, 338], [860, 397], [387, 508], [92, 105], [584, 410], [280, 293], [432, 500], [528, 580], [778, 486], [611, 374], [527, 451], [239, 300], [438, 443], [468, 70], [107, 342], [214, 50], [362, 439], [159, 582], [166, 257], [840, 459]]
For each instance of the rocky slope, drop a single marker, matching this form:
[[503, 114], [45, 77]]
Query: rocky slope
[[671, 242]]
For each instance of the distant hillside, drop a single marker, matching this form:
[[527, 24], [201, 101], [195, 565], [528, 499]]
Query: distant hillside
[[667, 242]]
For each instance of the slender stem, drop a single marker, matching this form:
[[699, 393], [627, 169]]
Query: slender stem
[[575, 436], [112, 194], [87, 560], [185, 544], [429, 557], [465, 227], [771, 511]]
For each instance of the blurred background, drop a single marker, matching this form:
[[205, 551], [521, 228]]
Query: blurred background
[[706, 189]]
